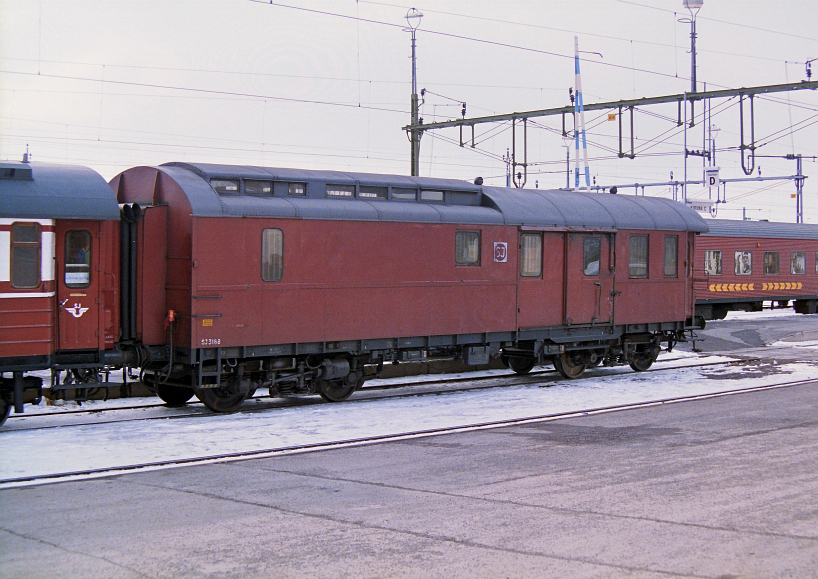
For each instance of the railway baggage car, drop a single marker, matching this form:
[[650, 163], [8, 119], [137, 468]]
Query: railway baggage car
[[310, 280]]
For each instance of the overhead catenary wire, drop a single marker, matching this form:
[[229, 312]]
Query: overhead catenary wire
[[353, 105], [564, 30], [467, 38]]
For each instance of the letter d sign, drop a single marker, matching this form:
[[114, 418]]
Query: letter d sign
[[711, 177]]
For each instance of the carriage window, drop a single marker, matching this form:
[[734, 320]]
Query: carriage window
[[671, 256], [404, 194], [25, 255], [272, 255], [531, 254], [590, 256], [712, 262], [431, 196], [299, 189], [225, 186], [798, 262], [467, 248], [638, 262], [77, 259], [771, 262], [340, 190], [372, 192], [258, 188], [744, 262], [816, 263]]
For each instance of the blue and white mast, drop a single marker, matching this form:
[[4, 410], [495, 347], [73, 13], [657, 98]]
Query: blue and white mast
[[579, 111]]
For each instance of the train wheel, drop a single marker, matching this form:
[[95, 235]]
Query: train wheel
[[338, 390], [643, 359], [173, 396], [569, 365], [220, 399], [521, 365], [5, 408]]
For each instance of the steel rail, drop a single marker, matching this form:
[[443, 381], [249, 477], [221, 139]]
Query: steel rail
[[267, 403], [321, 446]]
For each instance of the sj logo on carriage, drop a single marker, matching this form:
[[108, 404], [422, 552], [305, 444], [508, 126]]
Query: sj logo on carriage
[[77, 310], [500, 251]]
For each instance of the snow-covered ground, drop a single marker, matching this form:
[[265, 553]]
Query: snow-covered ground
[[109, 445]]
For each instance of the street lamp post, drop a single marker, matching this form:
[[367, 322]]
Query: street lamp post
[[413, 17], [568, 139], [693, 7]]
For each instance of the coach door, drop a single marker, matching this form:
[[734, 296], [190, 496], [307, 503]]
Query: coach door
[[589, 287], [77, 255]]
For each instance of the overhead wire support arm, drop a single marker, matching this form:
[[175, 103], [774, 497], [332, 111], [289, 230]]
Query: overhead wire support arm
[[569, 109]]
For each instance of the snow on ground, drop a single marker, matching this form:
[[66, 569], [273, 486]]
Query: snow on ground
[[95, 446], [766, 314]]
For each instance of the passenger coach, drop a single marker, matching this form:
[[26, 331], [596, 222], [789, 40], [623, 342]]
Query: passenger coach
[[742, 264], [59, 270], [309, 281]]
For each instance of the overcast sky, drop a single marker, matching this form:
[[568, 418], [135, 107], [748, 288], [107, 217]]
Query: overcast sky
[[326, 84]]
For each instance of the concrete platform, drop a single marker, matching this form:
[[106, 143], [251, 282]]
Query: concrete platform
[[724, 487]]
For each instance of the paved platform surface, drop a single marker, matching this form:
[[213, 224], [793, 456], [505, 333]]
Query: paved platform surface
[[720, 488]]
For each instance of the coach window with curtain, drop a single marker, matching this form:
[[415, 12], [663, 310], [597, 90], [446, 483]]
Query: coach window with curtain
[[272, 255], [467, 248], [671, 256], [638, 259], [744, 262], [26, 254], [798, 262], [531, 254], [771, 263]]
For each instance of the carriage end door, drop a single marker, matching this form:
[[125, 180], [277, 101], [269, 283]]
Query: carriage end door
[[78, 272]]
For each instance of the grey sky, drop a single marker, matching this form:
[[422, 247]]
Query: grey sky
[[325, 84]]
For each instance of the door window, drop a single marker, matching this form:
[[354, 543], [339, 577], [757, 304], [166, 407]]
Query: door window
[[77, 259], [590, 256], [531, 254]]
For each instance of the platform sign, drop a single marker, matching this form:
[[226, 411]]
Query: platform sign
[[703, 206], [711, 177]]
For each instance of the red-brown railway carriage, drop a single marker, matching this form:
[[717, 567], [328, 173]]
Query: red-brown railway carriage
[[59, 272], [742, 264], [308, 281]]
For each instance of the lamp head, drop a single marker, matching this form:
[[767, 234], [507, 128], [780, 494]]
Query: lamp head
[[693, 6], [413, 17]]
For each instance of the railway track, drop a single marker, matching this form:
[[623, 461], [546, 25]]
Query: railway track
[[303, 448], [261, 403]]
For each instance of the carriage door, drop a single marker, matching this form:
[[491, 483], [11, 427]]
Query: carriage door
[[589, 287], [77, 256]]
